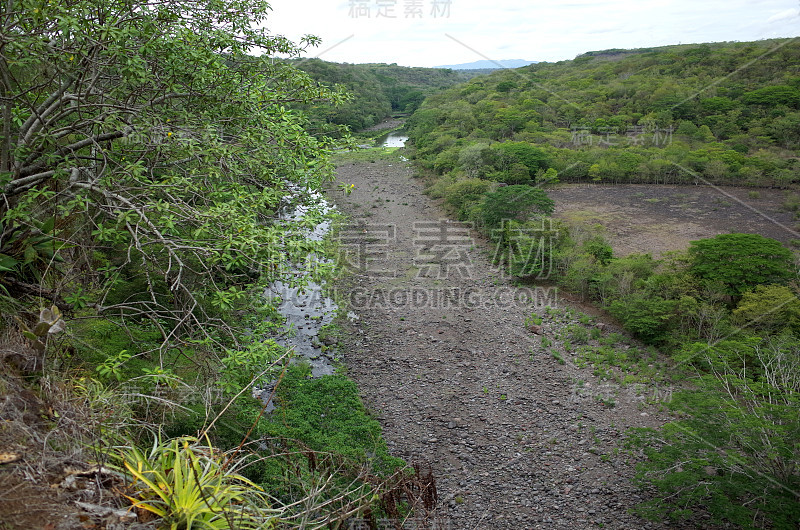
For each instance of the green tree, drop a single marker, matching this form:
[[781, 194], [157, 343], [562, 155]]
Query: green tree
[[547, 177], [733, 453], [464, 194], [687, 128], [162, 148], [771, 96], [517, 202], [705, 134], [769, 308], [646, 316], [739, 262], [523, 153], [472, 159]]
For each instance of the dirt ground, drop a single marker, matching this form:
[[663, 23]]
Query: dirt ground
[[442, 356], [656, 219]]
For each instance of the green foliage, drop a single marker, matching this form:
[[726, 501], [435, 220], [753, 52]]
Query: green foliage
[[599, 249], [149, 154], [550, 176], [647, 317], [28, 248], [734, 453], [191, 486], [464, 195], [533, 158], [326, 415], [534, 319], [517, 202], [111, 368], [768, 308], [578, 334], [771, 96], [740, 261], [377, 90], [241, 367], [128, 148], [612, 120]]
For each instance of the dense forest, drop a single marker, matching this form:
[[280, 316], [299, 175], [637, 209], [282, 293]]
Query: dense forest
[[377, 90], [725, 311], [725, 113]]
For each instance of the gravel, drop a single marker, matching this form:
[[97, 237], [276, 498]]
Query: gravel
[[466, 387]]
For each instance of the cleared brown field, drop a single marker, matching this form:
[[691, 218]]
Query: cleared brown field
[[658, 219]]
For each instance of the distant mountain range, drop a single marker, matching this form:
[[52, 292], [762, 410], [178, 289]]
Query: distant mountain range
[[489, 65]]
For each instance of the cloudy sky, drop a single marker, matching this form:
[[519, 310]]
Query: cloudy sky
[[436, 32]]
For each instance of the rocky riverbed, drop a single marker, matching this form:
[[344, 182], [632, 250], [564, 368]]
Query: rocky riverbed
[[443, 356]]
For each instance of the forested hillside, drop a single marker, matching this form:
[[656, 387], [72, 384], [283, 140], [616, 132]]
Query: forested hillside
[[726, 113], [377, 90]]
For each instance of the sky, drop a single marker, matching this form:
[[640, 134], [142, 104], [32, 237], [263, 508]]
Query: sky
[[437, 32]]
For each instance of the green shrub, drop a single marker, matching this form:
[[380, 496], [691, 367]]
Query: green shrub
[[647, 317], [599, 248], [734, 452], [578, 334], [517, 202], [464, 193], [326, 414]]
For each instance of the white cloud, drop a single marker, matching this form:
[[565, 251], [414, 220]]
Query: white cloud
[[784, 15], [535, 30]]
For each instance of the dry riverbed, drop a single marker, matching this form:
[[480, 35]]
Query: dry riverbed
[[443, 358]]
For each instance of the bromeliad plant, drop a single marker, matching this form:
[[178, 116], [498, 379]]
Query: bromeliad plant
[[191, 486]]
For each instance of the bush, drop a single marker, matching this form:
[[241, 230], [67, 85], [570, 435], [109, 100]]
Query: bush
[[646, 317], [464, 193], [735, 453], [516, 202], [599, 248], [578, 334], [739, 262], [188, 485]]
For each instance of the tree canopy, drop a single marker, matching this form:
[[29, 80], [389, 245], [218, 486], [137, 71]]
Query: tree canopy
[[152, 146], [739, 262], [515, 203]]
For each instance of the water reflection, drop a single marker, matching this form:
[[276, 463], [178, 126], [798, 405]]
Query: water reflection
[[393, 139]]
